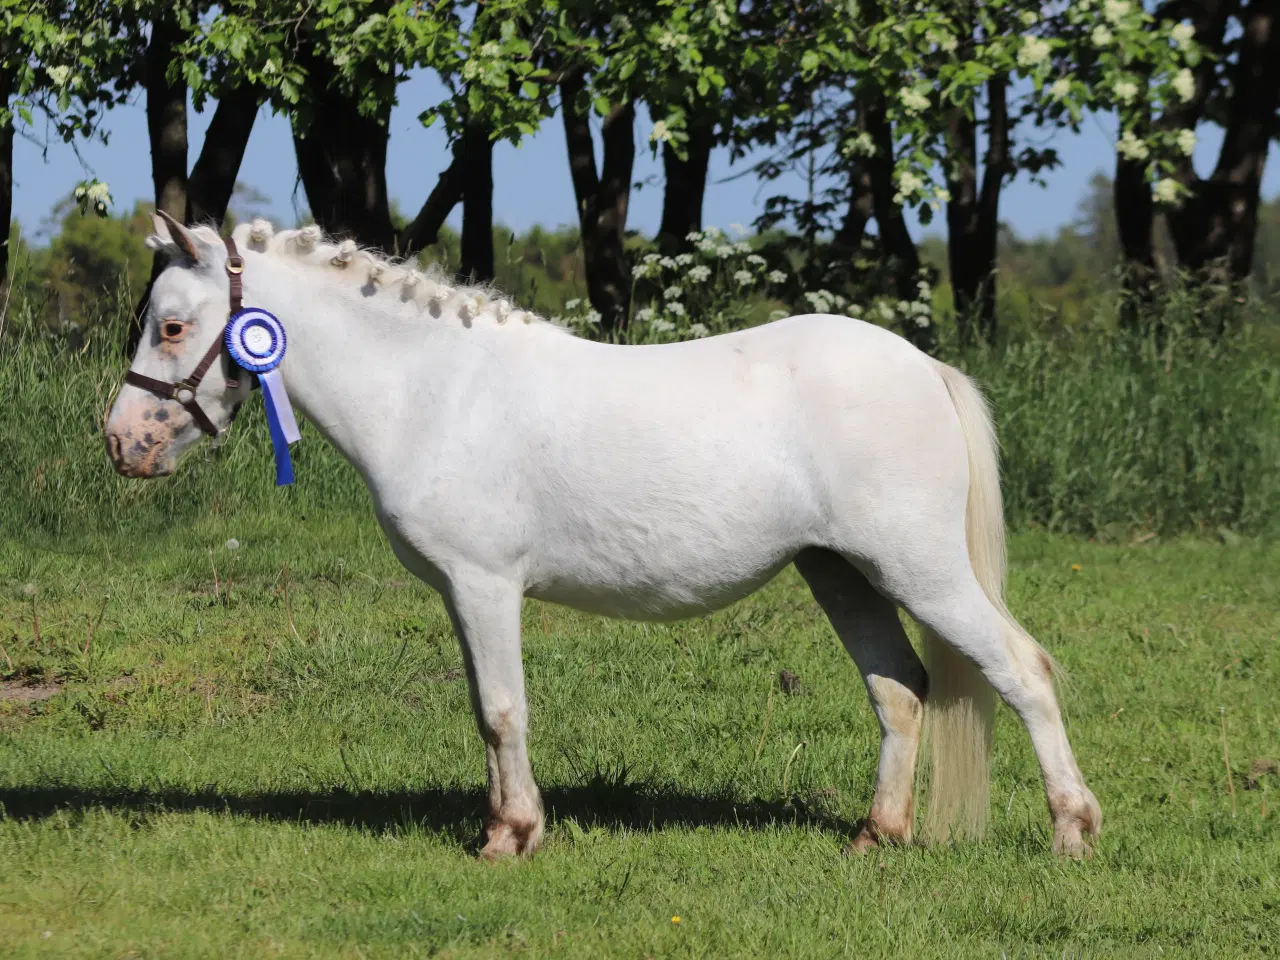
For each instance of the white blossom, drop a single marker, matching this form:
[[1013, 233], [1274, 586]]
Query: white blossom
[[490, 49], [1125, 90], [672, 293], [698, 329], [1166, 190], [646, 314], [1131, 147], [668, 263], [744, 278], [699, 274], [860, 146], [1183, 34], [1028, 18], [913, 101], [1060, 88], [1034, 51], [233, 544], [572, 304], [676, 309], [1184, 84], [756, 260], [684, 259], [725, 251], [1115, 10], [59, 75], [1187, 141], [663, 325], [691, 237], [1101, 36], [908, 184], [776, 276], [660, 132]]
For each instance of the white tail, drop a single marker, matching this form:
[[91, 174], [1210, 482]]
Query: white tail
[[960, 709]]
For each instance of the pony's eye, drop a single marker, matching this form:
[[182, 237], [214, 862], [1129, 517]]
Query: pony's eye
[[172, 329]]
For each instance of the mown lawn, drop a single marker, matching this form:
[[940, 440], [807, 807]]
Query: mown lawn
[[230, 773]]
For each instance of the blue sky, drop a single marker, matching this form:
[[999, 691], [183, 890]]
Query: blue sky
[[531, 182]]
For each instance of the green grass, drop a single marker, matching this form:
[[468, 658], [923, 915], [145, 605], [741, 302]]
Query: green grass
[[208, 782]]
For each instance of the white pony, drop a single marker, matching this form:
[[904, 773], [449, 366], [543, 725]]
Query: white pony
[[508, 459]]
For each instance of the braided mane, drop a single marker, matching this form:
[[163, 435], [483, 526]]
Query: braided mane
[[429, 287]]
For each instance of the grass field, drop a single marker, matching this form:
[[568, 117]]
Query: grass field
[[237, 769]]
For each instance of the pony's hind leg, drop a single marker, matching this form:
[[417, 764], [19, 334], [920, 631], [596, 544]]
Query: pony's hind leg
[[868, 626], [956, 611]]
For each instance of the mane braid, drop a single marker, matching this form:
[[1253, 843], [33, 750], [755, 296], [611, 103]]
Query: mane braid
[[429, 288]]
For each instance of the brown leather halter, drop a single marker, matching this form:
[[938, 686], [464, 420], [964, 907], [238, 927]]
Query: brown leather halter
[[184, 391]]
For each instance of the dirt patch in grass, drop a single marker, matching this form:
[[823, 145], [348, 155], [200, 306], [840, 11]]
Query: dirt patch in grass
[[18, 691]]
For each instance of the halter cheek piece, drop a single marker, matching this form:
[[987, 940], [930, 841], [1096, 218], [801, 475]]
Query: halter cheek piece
[[184, 391]]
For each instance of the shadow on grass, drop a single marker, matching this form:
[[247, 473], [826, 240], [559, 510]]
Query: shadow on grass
[[454, 811]]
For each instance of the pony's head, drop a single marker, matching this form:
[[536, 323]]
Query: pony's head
[[159, 413]]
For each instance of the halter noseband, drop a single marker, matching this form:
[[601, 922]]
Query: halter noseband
[[184, 391]]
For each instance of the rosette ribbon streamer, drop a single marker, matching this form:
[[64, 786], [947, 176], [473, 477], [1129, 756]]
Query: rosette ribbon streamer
[[256, 341]]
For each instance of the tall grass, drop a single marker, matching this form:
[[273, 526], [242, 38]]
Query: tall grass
[[1106, 435], [1102, 435]]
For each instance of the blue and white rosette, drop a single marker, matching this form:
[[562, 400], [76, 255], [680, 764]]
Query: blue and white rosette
[[256, 341]]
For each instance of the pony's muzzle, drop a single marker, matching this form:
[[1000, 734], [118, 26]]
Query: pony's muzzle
[[137, 458]]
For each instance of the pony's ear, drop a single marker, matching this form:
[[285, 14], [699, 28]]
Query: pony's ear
[[173, 237]]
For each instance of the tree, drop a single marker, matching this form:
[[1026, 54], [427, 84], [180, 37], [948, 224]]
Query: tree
[[51, 61], [1237, 85], [947, 75]]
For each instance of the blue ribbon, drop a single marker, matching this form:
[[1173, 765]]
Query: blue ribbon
[[256, 341]]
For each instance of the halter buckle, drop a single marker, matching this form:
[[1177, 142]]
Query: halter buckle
[[235, 267], [184, 391]]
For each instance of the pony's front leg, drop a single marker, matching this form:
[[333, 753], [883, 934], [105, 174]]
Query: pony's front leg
[[486, 615]]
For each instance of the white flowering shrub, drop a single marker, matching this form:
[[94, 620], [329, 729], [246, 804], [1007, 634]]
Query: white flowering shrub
[[723, 286], [720, 285]]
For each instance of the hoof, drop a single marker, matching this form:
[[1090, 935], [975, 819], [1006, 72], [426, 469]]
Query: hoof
[[865, 841], [1075, 823], [505, 840], [871, 836]]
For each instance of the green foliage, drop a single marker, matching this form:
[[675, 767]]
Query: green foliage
[[926, 58]]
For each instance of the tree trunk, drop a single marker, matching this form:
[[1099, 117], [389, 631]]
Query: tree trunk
[[477, 203], [213, 178], [901, 257], [848, 239], [1214, 229], [1135, 220], [167, 131], [342, 160], [6, 191], [424, 230], [686, 187], [973, 212], [166, 120], [602, 200]]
